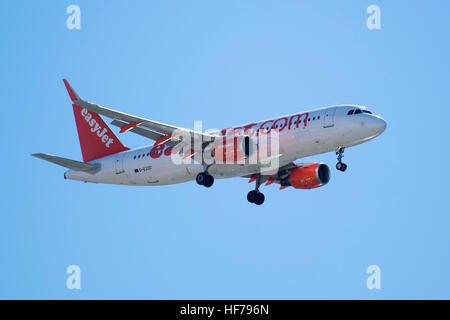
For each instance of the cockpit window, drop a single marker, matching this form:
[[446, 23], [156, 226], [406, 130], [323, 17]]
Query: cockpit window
[[358, 111]]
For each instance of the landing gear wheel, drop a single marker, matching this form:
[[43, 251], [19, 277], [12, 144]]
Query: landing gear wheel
[[209, 180], [255, 196], [259, 199], [201, 177], [252, 196], [205, 179], [341, 166]]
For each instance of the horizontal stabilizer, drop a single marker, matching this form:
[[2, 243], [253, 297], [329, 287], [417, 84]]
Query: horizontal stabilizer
[[70, 164]]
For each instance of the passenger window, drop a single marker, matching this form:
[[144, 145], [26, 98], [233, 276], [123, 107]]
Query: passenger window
[[350, 112], [314, 118], [134, 157], [318, 117], [358, 111]]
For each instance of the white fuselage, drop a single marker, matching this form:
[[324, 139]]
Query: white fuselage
[[325, 130]]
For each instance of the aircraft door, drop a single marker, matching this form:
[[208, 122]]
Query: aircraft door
[[328, 119], [119, 164]]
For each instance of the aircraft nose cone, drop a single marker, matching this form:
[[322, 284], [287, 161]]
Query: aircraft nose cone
[[380, 125], [374, 126]]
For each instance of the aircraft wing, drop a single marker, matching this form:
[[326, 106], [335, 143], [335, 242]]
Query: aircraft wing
[[148, 128]]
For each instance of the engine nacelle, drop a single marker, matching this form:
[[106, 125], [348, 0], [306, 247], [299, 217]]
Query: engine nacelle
[[309, 176]]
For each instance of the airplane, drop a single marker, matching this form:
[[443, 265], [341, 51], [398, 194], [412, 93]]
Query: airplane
[[227, 153]]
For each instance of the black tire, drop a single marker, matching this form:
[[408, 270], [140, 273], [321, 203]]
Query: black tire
[[259, 199], [209, 180], [252, 196], [201, 177], [344, 167], [339, 166]]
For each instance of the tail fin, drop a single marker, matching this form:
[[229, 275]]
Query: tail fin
[[96, 138]]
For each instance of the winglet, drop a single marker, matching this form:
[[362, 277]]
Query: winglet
[[73, 95]]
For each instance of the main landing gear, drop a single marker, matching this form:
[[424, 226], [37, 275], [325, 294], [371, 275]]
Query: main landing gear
[[255, 196], [340, 154], [205, 179]]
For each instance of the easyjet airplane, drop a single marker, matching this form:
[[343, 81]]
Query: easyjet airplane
[[231, 152]]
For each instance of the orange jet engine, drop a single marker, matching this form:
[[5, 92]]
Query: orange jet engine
[[309, 176]]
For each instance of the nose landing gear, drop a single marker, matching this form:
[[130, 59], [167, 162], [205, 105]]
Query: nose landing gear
[[340, 154], [254, 196], [205, 179], [341, 166]]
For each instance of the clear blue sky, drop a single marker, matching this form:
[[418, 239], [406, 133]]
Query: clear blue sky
[[226, 63]]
